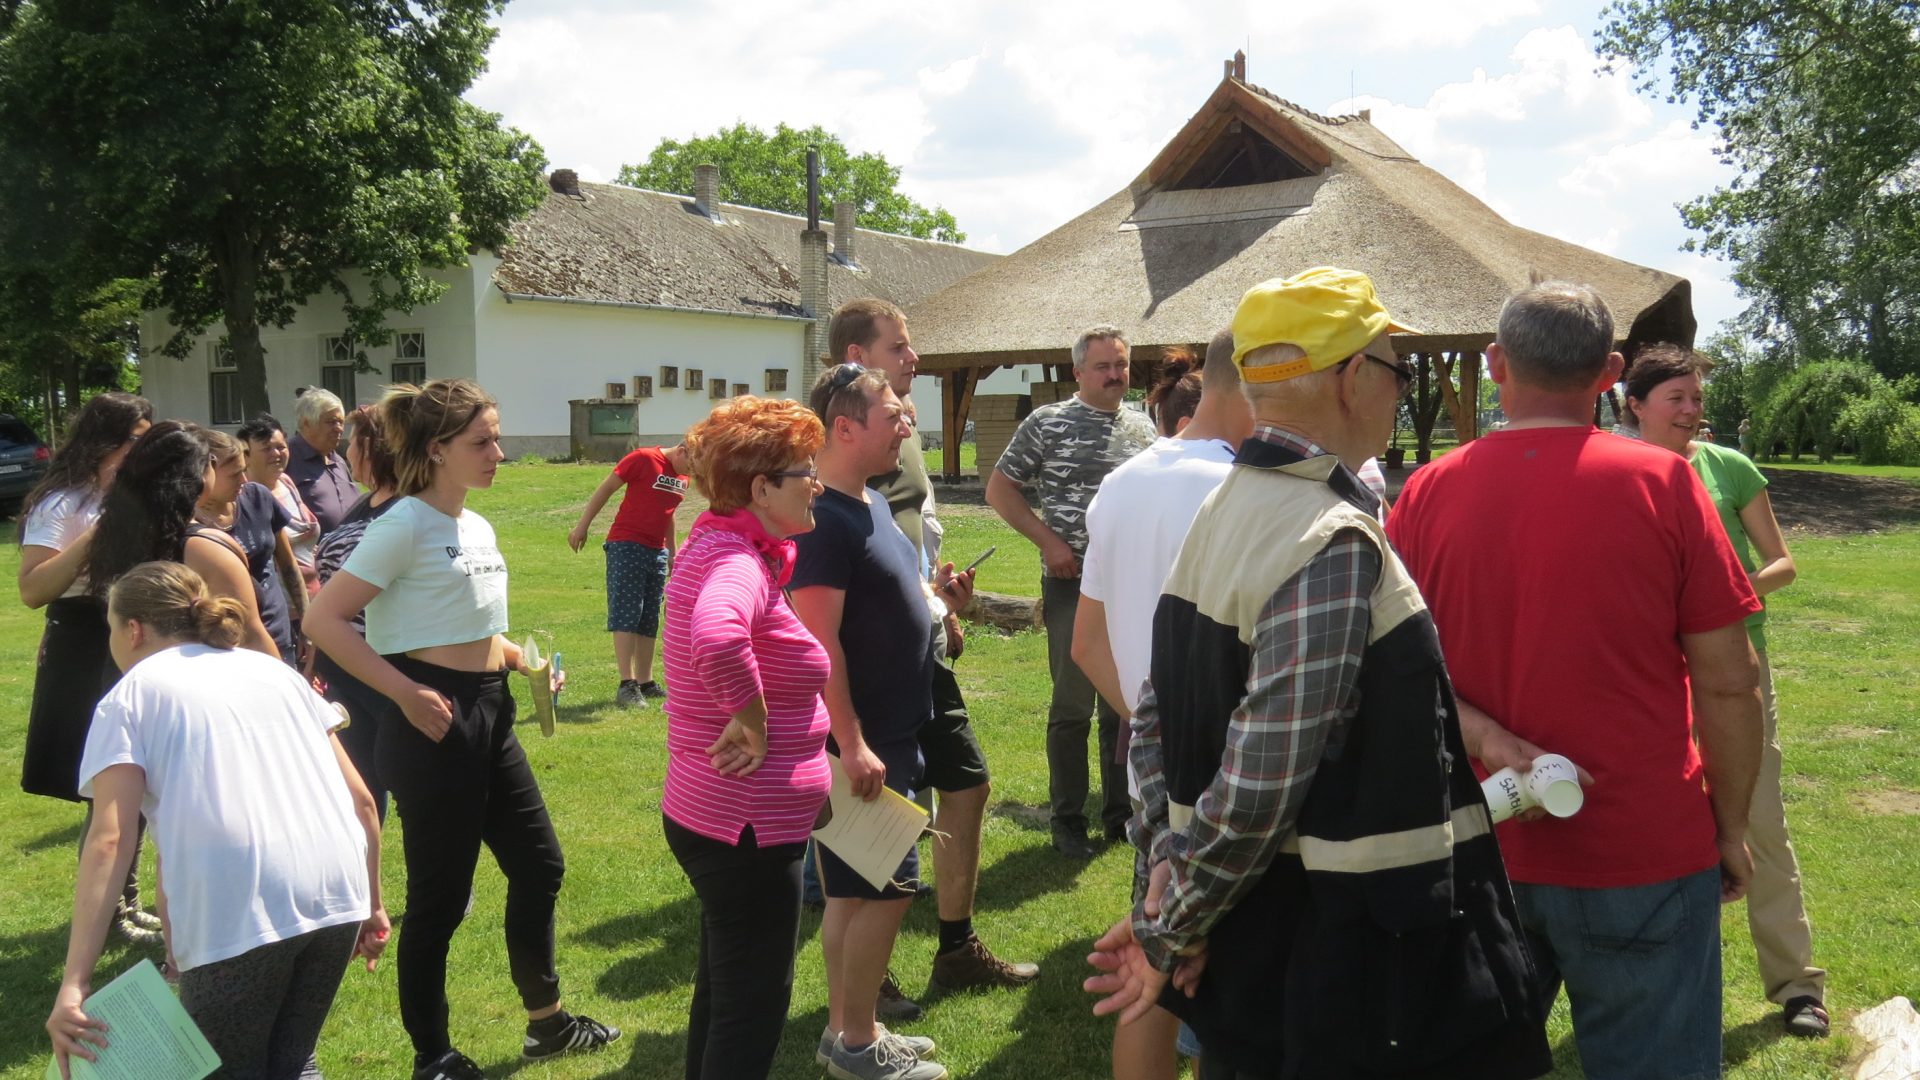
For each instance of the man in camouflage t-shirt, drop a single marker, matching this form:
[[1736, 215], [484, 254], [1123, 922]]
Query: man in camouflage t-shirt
[[1061, 452]]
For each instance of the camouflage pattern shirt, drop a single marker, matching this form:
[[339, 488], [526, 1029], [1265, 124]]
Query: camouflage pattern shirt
[[1062, 452]]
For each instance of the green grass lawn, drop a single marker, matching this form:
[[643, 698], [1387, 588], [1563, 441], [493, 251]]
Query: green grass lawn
[[627, 925]]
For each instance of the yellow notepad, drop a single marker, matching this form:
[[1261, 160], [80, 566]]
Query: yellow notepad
[[871, 837], [149, 1036]]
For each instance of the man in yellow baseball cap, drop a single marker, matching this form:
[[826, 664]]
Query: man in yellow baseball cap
[[1296, 683]]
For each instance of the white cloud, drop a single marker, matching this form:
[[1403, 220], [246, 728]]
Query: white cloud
[[1383, 25]]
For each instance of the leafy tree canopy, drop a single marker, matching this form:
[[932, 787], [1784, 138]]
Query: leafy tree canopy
[[770, 172], [243, 157], [1816, 105]]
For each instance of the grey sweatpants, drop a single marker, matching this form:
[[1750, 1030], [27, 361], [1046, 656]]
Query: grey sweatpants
[[262, 1011]]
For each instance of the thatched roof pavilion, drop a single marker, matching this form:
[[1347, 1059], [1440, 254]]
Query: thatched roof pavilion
[[1254, 187]]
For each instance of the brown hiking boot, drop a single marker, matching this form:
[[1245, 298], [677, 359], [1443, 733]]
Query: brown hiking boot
[[973, 965], [892, 1004]]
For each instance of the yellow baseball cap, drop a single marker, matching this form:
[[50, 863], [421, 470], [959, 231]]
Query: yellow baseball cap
[[1328, 313]]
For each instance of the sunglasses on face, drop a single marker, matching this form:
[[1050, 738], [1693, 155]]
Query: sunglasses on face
[[1402, 373]]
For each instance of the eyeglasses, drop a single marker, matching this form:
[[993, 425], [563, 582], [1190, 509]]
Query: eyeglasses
[[843, 376], [1402, 373], [809, 473]]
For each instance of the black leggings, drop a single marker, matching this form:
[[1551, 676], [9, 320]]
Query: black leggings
[[472, 787], [262, 1011], [749, 928]]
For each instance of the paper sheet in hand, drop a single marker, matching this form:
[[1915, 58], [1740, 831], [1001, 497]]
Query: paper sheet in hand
[[540, 675], [150, 1036], [872, 837]]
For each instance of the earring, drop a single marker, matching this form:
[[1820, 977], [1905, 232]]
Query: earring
[[438, 460]]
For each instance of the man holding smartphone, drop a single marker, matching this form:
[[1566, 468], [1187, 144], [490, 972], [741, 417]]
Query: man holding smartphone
[[873, 333]]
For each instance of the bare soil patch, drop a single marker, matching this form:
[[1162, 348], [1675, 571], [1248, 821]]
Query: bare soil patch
[[1893, 802], [1835, 504]]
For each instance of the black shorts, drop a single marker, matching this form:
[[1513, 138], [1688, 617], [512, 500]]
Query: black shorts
[[954, 759], [837, 879]]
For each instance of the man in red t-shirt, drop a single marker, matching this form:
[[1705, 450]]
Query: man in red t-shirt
[[1589, 604], [639, 549]]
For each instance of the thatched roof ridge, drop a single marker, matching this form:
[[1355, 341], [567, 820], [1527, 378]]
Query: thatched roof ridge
[[632, 246], [1169, 266]]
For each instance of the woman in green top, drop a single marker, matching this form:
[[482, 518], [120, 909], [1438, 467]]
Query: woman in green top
[[1665, 399]]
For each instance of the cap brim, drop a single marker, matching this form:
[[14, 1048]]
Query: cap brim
[[1398, 328]]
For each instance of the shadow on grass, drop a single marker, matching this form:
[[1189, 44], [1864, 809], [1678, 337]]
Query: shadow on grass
[[1024, 815], [65, 837], [1739, 1044], [661, 947], [1026, 874], [1044, 1044], [32, 974]]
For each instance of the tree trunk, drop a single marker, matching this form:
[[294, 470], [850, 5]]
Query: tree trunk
[[70, 369], [1457, 410], [234, 257], [1426, 409]]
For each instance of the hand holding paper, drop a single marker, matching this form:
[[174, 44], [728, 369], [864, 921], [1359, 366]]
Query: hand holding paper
[[153, 1037]]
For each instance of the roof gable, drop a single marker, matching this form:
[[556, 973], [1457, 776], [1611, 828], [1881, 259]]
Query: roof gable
[[1235, 136]]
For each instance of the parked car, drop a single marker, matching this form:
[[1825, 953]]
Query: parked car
[[23, 461]]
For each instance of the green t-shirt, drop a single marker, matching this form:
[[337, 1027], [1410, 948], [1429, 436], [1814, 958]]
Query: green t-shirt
[[1733, 481], [906, 489]]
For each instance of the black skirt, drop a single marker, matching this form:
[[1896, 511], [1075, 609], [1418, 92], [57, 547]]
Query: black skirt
[[75, 671]]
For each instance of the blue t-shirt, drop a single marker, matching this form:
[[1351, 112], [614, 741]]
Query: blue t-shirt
[[257, 521], [885, 632]]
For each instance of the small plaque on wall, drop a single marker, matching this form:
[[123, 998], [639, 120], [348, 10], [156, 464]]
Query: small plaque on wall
[[741, 389], [616, 391], [642, 386], [696, 379], [718, 388], [776, 380], [669, 378]]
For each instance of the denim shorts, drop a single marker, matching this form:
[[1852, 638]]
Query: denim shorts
[[636, 580]]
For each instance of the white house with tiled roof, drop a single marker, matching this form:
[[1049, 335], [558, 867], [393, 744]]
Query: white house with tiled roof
[[673, 302]]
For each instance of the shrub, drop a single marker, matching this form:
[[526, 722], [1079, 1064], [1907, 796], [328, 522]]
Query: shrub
[[1803, 410], [1884, 426]]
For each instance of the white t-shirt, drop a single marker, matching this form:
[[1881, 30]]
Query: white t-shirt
[[1135, 526], [255, 826], [58, 521], [443, 579]]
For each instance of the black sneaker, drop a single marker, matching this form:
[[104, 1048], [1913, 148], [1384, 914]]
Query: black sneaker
[[891, 1004], [578, 1033], [452, 1065], [652, 689]]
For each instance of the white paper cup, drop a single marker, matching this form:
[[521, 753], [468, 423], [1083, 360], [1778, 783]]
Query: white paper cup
[[1506, 794], [1553, 783]]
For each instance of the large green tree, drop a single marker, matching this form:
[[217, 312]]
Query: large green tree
[[770, 172], [245, 156], [1818, 106]]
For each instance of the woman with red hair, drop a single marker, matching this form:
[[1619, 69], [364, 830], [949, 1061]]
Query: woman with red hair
[[746, 727]]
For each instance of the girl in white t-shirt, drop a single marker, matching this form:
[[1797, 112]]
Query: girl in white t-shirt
[[270, 842], [74, 668], [430, 578]]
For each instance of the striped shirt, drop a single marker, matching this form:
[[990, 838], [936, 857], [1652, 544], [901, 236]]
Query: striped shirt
[[730, 636]]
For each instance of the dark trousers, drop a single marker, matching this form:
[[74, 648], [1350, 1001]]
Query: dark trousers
[[472, 787], [262, 1011], [359, 738], [1069, 715], [749, 929]]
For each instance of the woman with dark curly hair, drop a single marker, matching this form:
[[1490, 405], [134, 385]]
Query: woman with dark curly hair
[[746, 727]]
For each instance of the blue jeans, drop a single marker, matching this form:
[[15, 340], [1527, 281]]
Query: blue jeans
[[1642, 970]]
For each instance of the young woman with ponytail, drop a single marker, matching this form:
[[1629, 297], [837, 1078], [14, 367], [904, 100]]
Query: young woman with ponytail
[[270, 841], [429, 576]]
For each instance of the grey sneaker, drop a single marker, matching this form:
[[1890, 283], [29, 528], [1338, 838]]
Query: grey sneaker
[[886, 1059], [629, 695], [918, 1045]]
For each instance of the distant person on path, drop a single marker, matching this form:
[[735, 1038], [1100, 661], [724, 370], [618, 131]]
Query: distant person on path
[[267, 457], [270, 842], [639, 550], [1621, 901], [249, 514], [1664, 393], [857, 587], [1316, 839], [746, 728], [74, 667], [1062, 452], [314, 462], [1746, 436], [1134, 529], [873, 333], [430, 577]]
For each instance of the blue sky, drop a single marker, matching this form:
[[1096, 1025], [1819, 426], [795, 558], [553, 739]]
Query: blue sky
[[1017, 115]]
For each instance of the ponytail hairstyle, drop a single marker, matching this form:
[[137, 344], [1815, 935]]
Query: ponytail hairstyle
[[413, 418], [146, 512], [104, 424], [1175, 394], [370, 443], [171, 601], [221, 447]]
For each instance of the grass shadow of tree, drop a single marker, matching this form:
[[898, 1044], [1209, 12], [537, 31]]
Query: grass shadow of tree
[[1036, 870], [67, 836], [662, 946]]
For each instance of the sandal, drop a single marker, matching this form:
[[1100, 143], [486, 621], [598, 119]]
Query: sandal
[[1806, 1017]]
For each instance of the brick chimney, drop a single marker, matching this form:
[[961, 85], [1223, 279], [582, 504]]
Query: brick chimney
[[564, 181], [706, 190], [813, 278], [844, 216], [1240, 65]]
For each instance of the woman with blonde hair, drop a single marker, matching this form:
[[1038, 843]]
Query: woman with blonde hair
[[269, 839], [430, 578], [746, 728]]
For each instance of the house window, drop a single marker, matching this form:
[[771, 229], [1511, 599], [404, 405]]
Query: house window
[[741, 389], [642, 386], [669, 378], [695, 379], [409, 358], [223, 385], [717, 389], [616, 391], [776, 380], [336, 368]]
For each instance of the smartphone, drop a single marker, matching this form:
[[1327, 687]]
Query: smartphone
[[559, 668], [984, 556]]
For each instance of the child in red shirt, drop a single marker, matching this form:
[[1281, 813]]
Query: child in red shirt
[[639, 548]]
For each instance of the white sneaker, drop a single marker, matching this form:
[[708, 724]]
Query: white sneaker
[[885, 1059], [919, 1045]]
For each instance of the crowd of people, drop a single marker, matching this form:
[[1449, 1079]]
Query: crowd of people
[[1294, 695]]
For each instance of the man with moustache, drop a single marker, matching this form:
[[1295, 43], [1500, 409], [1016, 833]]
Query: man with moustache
[[1061, 452]]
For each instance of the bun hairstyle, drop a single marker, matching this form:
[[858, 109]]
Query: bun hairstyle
[[367, 440], [170, 600], [146, 512], [1175, 394], [413, 418]]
